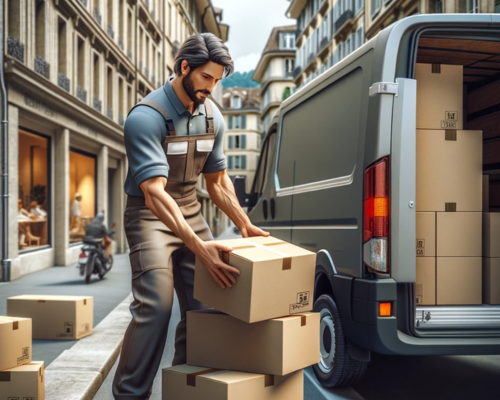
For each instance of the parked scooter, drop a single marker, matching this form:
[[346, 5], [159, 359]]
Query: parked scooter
[[92, 258]]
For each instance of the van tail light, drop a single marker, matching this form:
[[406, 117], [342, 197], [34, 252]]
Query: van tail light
[[376, 215]]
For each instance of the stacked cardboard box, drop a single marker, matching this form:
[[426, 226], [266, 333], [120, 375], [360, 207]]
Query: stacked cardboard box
[[248, 347], [449, 192]]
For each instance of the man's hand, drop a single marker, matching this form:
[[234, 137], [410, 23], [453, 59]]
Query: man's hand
[[220, 271], [252, 230]]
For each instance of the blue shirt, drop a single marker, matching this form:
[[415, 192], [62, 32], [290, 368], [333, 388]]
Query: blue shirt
[[145, 131]]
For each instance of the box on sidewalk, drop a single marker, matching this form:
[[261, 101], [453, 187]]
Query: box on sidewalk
[[55, 317], [458, 280], [426, 234], [15, 342], [276, 279], [425, 287], [491, 280], [26, 382], [449, 170], [491, 234], [186, 382], [459, 234], [439, 96], [278, 346]]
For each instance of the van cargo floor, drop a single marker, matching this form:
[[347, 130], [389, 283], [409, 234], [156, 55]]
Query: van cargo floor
[[457, 317]]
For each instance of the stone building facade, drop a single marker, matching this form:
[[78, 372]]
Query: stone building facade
[[73, 69]]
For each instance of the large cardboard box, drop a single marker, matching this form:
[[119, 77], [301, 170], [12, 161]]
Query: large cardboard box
[[278, 346], [439, 96], [459, 234], [426, 234], [276, 279], [449, 170], [491, 280], [186, 382], [26, 382], [425, 287], [491, 234], [458, 280], [55, 317], [15, 342]]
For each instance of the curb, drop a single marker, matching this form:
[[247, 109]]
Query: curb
[[77, 374]]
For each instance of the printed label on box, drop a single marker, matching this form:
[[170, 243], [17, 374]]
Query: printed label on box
[[420, 247], [68, 330], [13, 398], [451, 115], [302, 301], [419, 290], [449, 124], [29, 398], [25, 357]]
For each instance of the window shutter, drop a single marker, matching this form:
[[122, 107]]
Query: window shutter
[[243, 162], [230, 138], [244, 121], [230, 162], [243, 141], [230, 122]]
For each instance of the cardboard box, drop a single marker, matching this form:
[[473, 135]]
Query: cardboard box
[[439, 96], [186, 382], [425, 287], [426, 234], [276, 279], [55, 317], [449, 170], [486, 193], [491, 234], [278, 346], [491, 280], [15, 342], [458, 280], [459, 234], [26, 382]]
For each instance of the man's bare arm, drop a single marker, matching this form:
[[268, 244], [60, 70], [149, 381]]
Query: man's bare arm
[[167, 211], [221, 191]]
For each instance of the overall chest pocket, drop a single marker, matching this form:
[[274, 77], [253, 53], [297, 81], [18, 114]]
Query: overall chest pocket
[[203, 149], [177, 154]]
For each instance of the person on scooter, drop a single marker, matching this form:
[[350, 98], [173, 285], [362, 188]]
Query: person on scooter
[[96, 229]]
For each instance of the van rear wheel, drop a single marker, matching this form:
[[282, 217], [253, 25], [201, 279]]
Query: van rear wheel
[[336, 368]]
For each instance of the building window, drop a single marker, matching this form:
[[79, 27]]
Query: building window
[[236, 102], [62, 48], [97, 83], [109, 104], [33, 208], [360, 39], [497, 6], [82, 192], [358, 6], [472, 7], [287, 40], [375, 7], [40, 30], [237, 142], [289, 66], [81, 92]]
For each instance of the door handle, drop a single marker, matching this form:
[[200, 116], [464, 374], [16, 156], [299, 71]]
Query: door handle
[[264, 208], [273, 208]]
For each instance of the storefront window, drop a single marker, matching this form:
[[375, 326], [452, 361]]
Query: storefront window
[[82, 192], [34, 190]]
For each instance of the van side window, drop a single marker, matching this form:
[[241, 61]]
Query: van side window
[[262, 171], [321, 134]]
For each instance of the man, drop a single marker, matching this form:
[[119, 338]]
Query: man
[[97, 229], [171, 137]]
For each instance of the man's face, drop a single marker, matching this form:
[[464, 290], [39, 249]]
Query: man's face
[[200, 82]]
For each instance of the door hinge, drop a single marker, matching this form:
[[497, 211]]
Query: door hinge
[[384, 88]]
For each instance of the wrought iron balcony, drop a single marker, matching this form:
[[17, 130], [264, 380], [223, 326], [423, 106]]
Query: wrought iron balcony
[[97, 15], [120, 44], [121, 120], [109, 113], [41, 66], [296, 72], [63, 81], [81, 93], [346, 16], [97, 104], [15, 48], [111, 33]]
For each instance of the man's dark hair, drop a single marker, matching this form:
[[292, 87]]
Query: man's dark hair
[[199, 49]]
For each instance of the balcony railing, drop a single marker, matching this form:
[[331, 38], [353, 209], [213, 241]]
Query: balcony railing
[[15, 48], [111, 33], [109, 113], [296, 72], [63, 81], [97, 104], [97, 15], [42, 66], [81, 93], [346, 16]]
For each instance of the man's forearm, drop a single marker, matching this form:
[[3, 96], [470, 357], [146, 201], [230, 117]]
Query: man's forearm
[[222, 193]]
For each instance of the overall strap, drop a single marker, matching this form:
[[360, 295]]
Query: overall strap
[[210, 116], [158, 107]]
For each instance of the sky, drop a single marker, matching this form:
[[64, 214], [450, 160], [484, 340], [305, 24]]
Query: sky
[[250, 24]]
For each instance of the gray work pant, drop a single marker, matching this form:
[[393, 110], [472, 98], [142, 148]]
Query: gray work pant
[[160, 263]]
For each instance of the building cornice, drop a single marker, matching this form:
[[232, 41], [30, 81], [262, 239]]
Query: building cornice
[[266, 84], [266, 57]]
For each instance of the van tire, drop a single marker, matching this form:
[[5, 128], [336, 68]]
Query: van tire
[[339, 369]]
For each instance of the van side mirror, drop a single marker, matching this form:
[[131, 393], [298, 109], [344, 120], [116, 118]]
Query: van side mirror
[[239, 188]]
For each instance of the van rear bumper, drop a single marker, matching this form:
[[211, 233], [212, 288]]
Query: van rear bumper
[[358, 301]]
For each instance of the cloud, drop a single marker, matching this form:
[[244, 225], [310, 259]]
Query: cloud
[[247, 62]]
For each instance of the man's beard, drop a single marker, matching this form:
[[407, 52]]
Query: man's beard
[[188, 86]]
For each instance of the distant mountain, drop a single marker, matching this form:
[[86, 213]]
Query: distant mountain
[[240, 79]]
